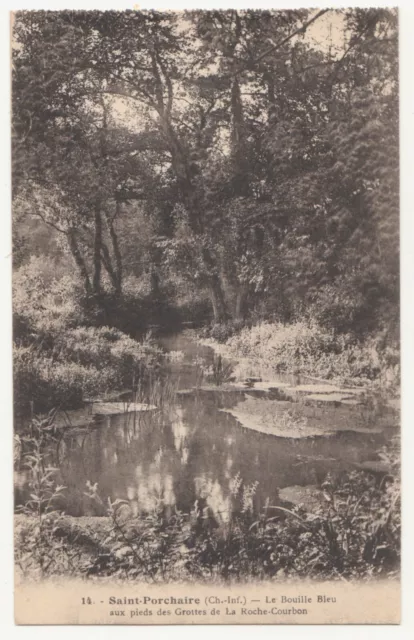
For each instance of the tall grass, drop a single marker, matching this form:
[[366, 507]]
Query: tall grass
[[37, 551], [156, 391]]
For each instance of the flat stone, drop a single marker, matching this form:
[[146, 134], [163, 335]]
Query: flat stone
[[374, 466], [109, 397], [114, 408], [316, 388], [266, 417], [90, 414], [75, 418], [273, 417], [359, 429], [263, 385], [332, 397]]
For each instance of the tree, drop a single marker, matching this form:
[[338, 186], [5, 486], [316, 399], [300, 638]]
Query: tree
[[72, 166], [264, 166]]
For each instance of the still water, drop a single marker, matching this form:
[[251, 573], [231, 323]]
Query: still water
[[194, 451]]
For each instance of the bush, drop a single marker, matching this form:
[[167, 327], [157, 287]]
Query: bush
[[309, 349], [44, 302], [223, 331], [57, 359], [86, 361]]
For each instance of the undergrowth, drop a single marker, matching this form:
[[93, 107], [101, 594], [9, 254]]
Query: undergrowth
[[310, 349], [60, 353], [353, 533]]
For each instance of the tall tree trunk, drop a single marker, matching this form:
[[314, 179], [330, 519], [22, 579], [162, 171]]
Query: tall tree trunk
[[193, 205], [80, 262], [154, 281], [237, 115], [238, 135], [271, 95], [118, 271], [191, 197], [154, 259], [97, 248], [240, 299], [217, 299], [107, 263], [216, 290]]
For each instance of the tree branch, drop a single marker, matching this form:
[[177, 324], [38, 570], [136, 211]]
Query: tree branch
[[159, 89], [280, 44], [50, 224], [168, 83], [353, 44]]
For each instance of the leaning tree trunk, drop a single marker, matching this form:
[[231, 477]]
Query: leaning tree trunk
[[154, 282]]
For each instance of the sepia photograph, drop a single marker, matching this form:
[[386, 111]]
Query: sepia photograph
[[206, 316]]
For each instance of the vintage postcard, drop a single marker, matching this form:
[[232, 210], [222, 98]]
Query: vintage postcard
[[206, 351]]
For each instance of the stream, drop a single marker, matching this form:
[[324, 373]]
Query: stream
[[197, 448]]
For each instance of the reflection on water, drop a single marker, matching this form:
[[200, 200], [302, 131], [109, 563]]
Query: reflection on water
[[194, 452]]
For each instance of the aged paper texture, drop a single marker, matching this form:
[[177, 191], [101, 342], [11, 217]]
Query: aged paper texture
[[206, 343]]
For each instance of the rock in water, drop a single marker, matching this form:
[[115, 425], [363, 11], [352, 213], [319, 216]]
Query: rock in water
[[114, 408]]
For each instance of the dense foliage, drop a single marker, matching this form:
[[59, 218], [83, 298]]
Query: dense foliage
[[60, 355], [307, 348], [227, 161]]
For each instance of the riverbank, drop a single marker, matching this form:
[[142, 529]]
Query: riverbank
[[284, 500], [315, 383], [308, 350], [290, 541]]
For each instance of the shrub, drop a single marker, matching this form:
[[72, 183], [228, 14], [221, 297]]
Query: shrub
[[85, 361], [223, 331], [309, 349], [42, 302], [57, 359]]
